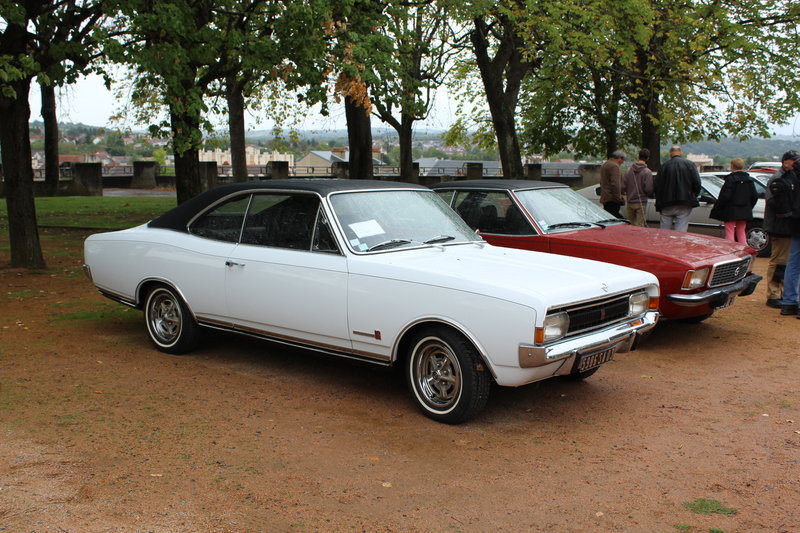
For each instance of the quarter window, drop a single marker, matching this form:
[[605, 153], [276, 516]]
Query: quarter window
[[223, 223]]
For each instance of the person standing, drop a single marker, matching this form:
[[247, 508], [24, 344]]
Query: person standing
[[777, 227], [735, 202], [611, 184], [637, 186], [676, 187], [785, 198]]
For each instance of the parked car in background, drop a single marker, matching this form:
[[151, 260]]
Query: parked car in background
[[700, 220], [374, 271], [761, 179], [697, 274], [765, 166]]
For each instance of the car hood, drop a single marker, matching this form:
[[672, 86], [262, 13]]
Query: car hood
[[520, 276], [672, 246]]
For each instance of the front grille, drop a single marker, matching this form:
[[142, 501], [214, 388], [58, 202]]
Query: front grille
[[727, 273], [597, 314]]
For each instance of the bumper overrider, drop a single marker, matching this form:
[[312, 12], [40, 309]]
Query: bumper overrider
[[718, 297], [620, 338]]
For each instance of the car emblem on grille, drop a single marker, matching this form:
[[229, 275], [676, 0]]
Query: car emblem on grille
[[604, 287], [736, 272]]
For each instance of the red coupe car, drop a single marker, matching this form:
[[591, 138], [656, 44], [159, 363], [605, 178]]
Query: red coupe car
[[698, 274]]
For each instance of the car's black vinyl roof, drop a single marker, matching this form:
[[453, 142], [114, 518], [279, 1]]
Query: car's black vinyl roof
[[511, 185], [178, 218]]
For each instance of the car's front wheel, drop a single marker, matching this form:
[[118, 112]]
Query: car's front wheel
[[171, 326], [758, 238], [446, 376]]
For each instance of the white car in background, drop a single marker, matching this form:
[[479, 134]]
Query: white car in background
[[376, 271]]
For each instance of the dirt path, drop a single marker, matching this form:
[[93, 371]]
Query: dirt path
[[101, 433]]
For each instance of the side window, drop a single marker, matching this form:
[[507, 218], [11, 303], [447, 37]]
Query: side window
[[281, 220], [492, 212], [224, 222]]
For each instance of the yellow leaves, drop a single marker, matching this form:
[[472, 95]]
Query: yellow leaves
[[355, 89]]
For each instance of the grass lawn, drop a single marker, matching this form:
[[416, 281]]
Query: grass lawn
[[94, 212]]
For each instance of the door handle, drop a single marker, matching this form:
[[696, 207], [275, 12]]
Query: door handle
[[233, 264]]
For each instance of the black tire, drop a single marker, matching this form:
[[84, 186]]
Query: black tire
[[758, 238], [446, 377], [580, 376], [171, 326]]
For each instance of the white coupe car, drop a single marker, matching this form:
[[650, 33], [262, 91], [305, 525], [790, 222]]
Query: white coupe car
[[376, 271]]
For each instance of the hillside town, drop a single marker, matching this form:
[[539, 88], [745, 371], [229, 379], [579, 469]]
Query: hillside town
[[312, 153]]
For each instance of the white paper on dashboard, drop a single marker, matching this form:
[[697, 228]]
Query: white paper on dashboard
[[367, 228]]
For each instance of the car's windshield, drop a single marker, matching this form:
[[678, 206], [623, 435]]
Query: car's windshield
[[376, 221], [562, 209], [713, 184]]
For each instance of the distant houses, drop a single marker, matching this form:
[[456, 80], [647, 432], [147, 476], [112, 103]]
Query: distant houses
[[315, 161], [102, 157], [255, 156], [432, 166]]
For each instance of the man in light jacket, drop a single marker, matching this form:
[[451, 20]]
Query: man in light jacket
[[676, 186], [637, 186]]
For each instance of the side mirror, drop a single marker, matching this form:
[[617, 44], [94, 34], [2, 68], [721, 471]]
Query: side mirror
[[597, 191], [707, 199]]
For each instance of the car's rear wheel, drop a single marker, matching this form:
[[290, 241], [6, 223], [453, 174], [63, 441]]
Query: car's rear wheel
[[446, 376], [758, 238], [171, 326]]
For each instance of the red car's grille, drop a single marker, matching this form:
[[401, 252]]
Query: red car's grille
[[727, 273]]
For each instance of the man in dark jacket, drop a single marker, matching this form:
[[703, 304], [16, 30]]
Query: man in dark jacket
[[790, 195], [611, 184], [677, 186], [778, 229]]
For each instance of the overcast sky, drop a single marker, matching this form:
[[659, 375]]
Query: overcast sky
[[90, 103]]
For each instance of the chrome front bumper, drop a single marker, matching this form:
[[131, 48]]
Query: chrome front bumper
[[719, 296], [621, 338]]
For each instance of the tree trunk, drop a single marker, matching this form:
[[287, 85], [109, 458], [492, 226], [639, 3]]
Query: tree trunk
[[651, 134], [26, 249], [188, 180], [236, 130], [51, 170], [509, 67], [405, 134], [359, 137]]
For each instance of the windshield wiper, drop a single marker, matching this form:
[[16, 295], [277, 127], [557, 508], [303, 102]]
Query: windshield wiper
[[392, 243], [571, 224], [440, 238], [607, 220]]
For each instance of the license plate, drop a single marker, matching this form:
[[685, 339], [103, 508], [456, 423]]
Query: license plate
[[592, 360]]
